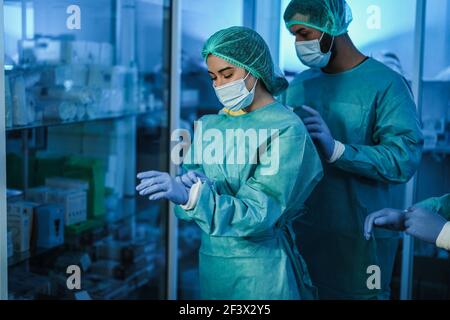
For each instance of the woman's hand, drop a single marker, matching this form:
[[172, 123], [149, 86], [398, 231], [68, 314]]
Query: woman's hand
[[160, 185], [192, 177]]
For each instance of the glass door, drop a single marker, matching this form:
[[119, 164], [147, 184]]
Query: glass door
[[86, 98], [431, 268], [197, 99]]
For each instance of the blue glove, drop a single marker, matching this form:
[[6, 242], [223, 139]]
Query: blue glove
[[424, 224], [160, 185], [387, 218], [319, 132], [191, 177]]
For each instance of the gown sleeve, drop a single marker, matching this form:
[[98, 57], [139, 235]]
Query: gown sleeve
[[262, 199], [440, 205], [397, 137]]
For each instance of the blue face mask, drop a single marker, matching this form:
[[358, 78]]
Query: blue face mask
[[235, 96], [311, 55]]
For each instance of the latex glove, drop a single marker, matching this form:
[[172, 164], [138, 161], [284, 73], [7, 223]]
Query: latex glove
[[160, 185], [319, 132], [191, 177], [424, 224], [390, 219]]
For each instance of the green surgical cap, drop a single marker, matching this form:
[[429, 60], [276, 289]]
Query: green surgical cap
[[246, 49], [329, 16]]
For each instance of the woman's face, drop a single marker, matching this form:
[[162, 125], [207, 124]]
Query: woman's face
[[222, 72]]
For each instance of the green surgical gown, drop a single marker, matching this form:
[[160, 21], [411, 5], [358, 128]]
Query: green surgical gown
[[370, 110], [248, 246], [440, 205]]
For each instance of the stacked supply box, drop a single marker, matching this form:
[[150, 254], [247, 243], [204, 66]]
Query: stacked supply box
[[70, 184], [74, 201], [92, 171], [20, 222], [49, 225]]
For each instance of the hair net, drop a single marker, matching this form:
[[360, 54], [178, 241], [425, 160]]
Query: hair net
[[329, 16], [246, 49]]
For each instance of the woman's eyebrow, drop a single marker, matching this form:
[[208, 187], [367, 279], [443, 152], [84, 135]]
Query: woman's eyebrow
[[225, 69]]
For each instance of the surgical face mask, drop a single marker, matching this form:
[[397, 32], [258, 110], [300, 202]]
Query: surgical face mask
[[234, 95], [311, 55]]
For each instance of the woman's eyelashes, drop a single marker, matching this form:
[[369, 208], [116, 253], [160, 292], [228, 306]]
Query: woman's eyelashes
[[224, 76]]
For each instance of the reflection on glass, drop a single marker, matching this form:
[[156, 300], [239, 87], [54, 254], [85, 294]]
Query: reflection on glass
[[431, 272], [197, 99], [85, 111]]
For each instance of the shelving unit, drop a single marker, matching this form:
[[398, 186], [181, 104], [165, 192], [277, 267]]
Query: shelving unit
[[111, 116], [123, 249]]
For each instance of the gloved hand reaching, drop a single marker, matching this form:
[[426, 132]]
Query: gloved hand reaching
[[160, 185], [319, 132], [390, 219], [417, 222], [424, 224]]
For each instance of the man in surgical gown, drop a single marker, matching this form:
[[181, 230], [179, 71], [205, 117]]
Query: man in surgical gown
[[362, 117]]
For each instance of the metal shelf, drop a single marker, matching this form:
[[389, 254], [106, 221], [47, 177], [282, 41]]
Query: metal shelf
[[110, 116], [126, 209]]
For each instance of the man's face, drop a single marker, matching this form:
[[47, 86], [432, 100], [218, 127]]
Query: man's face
[[304, 33]]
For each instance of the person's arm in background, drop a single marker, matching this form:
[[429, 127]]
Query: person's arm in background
[[397, 139], [426, 221], [262, 199], [439, 206]]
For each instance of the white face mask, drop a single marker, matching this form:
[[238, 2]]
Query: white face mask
[[311, 55], [234, 95]]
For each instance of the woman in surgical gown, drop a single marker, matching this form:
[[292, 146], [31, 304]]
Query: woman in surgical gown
[[245, 209]]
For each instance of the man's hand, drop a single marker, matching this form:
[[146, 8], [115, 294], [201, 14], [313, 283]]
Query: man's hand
[[319, 132]]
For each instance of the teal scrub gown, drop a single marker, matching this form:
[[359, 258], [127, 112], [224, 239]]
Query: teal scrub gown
[[369, 109], [248, 245]]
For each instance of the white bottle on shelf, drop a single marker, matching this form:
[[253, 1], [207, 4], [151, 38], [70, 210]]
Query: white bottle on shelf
[[8, 103], [20, 115]]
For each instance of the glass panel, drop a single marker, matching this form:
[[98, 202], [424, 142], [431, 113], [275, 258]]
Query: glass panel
[[378, 28], [384, 30], [86, 109], [198, 98], [431, 265]]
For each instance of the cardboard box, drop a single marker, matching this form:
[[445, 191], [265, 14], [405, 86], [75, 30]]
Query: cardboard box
[[49, 225], [74, 201], [92, 171], [38, 194], [20, 222]]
